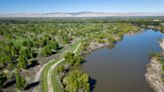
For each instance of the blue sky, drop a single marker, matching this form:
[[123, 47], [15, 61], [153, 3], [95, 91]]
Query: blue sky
[[47, 6]]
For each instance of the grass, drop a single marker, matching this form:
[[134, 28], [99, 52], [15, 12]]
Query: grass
[[55, 82], [44, 77]]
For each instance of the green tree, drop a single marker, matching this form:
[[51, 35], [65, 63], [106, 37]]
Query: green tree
[[53, 45], [60, 69], [25, 52], [45, 51], [75, 81], [20, 81], [22, 62], [69, 57], [56, 45], [73, 60], [78, 60]]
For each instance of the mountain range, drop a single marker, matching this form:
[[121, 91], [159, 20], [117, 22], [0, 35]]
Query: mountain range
[[78, 14]]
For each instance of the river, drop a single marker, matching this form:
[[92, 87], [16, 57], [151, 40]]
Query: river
[[122, 68]]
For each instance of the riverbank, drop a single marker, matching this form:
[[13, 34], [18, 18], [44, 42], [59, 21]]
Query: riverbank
[[96, 45], [154, 74], [162, 44]]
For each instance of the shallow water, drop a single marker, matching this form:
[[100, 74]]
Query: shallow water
[[122, 69]]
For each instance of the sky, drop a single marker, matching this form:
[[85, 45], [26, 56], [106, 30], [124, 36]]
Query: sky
[[50, 6]]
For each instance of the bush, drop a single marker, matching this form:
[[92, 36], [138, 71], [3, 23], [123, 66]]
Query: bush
[[60, 69], [154, 54], [75, 81], [73, 60]]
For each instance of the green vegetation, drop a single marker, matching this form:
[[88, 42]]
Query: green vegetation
[[73, 60], [73, 81], [28, 39], [60, 69], [159, 58], [55, 80], [76, 81], [44, 77], [20, 81], [47, 50], [155, 55]]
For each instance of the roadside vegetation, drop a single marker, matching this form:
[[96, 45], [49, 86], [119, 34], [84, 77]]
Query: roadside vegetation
[[55, 80]]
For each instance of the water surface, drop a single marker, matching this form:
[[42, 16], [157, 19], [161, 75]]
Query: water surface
[[122, 68]]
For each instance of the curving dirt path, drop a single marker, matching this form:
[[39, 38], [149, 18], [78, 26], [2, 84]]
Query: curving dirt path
[[40, 71], [37, 78], [38, 74], [50, 87]]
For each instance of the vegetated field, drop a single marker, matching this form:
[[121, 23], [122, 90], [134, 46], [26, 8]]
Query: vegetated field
[[26, 44]]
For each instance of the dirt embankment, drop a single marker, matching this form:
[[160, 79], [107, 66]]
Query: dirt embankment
[[155, 74], [93, 46]]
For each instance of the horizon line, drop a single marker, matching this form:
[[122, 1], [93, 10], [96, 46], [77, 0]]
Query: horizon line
[[74, 12]]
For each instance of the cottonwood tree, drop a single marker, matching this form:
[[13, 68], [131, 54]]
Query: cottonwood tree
[[20, 81]]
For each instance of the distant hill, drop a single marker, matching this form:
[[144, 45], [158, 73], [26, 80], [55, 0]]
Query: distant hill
[[78, 14]]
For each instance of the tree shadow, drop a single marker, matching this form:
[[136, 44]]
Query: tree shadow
[[83, 61], [35, 54], [33, 64], [92, 84], [2, 67], [10, 83], [111, 46], [60, 48], [32, 85], [55, 51]]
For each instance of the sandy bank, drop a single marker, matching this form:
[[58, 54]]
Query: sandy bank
[[154, 73]]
